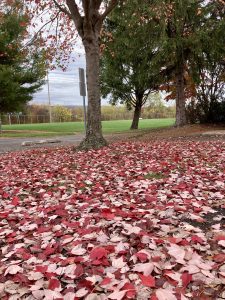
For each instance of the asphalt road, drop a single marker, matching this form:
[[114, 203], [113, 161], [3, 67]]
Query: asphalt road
[[15, 144]]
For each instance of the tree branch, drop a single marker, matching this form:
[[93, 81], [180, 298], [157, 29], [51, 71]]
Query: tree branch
[[109, 8], [62, 9], [86, 7], [75, 15]]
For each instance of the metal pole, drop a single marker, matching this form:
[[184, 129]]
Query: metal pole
[[85, 116], [49, 101], [83, 93], [0, 125]]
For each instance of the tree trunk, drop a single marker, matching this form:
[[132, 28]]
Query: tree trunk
[[136, 117], [94, 138], [181, 119]]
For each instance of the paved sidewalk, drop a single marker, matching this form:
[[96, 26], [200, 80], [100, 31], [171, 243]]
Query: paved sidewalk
[[15, 144]]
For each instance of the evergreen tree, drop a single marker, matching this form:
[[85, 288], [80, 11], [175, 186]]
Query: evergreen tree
[[21, 69]]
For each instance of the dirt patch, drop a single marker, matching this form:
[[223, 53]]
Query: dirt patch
[[210, 219], [188, 132]]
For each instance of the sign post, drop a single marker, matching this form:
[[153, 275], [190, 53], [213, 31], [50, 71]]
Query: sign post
[[83, 93]]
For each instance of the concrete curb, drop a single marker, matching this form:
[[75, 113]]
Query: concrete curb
[[216, 132], [31, 143]]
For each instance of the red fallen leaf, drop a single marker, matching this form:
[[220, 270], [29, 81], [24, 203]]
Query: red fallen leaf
[[131, 293], [220, 238], [41, 269], [53, 284], [21, 278], [15, 200], [79, 271], [5, 195], [197, 209], [141, 256], [159, 241], [219, 258], [49, 250], [197, 239], [156, 258], [49, 275], [107, 214], [149, 198], [96, 262], [186, 278], [147, 280], [98, 253], [106, 281]]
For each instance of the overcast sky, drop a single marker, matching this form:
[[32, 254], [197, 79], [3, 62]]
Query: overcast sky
[[64, 86]]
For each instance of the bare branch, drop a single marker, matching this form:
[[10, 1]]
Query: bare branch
[[75, 14], [62, 9], [31, 41], [109, 8]]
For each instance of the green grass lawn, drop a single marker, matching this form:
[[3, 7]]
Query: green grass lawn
[[53, 129]]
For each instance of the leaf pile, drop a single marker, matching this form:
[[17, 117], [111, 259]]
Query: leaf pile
[[116, 223]]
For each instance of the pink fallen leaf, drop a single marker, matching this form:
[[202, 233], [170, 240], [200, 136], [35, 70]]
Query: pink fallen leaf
[[81, 292], [13, 269], [78, 250], [118, 263], [39, 295], [165, 294], [222, 243], [177, 252], [146, 268], [118, 295]]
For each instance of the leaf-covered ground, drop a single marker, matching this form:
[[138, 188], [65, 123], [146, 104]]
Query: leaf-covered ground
[[132, 221]]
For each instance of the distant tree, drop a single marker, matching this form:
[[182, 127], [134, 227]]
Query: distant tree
[[185, 29], [208, 105], [61, 114], [21, 69], [128, 73]]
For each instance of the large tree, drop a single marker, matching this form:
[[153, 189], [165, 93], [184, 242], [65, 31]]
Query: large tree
[[183, 31], [85, 18], [21, 70], [128, 70]]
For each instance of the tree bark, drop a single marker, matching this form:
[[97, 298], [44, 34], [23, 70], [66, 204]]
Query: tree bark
[[137, 109], [181, 119], [94, 138], [136, 117]]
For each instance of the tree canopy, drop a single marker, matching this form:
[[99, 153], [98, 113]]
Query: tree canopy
[[129, 73]]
